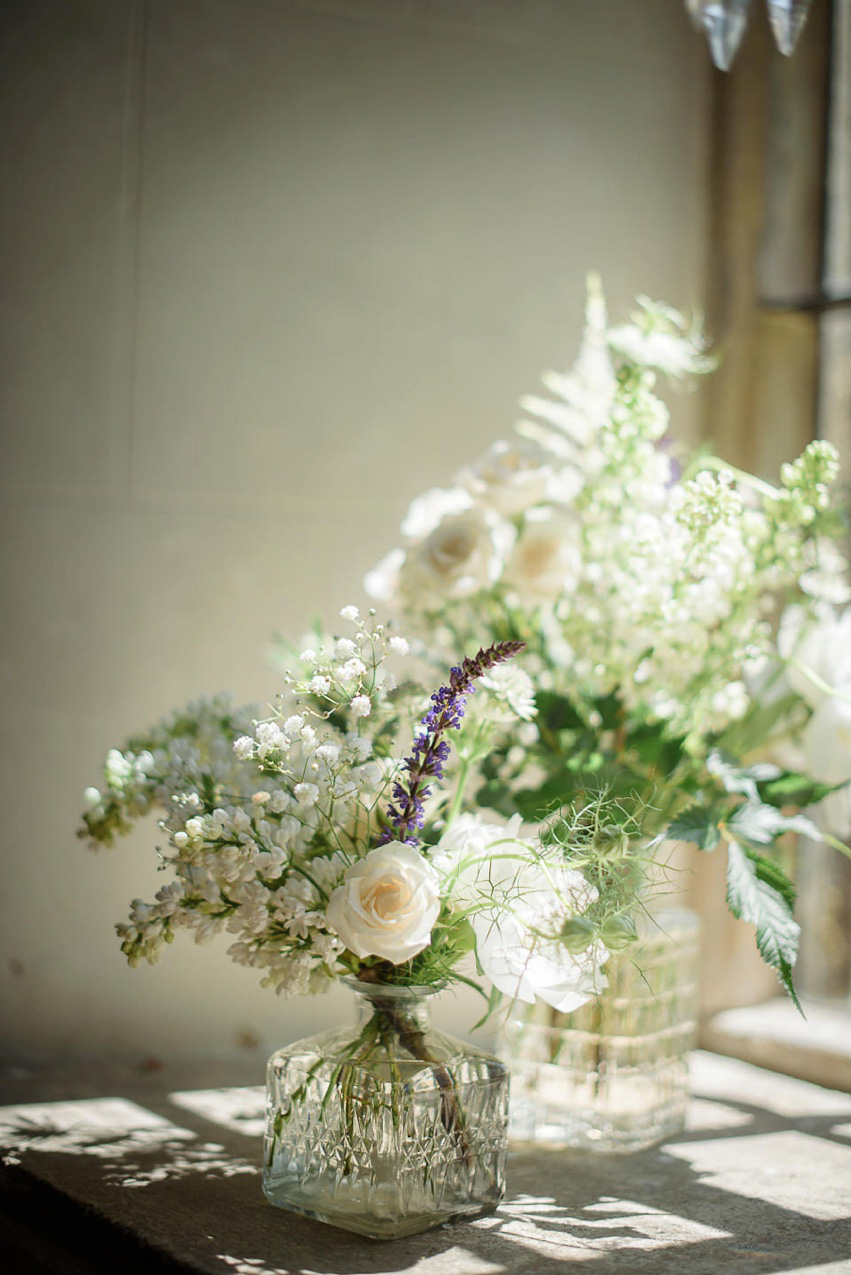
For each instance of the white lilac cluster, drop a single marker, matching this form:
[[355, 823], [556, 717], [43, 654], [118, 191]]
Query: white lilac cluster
[[637, 580], [187, 754], [263, 816]]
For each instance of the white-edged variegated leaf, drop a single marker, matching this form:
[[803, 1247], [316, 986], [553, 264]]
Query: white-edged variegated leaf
[[754, 900], [757, 822]]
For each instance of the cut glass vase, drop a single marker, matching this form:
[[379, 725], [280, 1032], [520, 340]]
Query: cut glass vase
[[612, 1076], [386, 1128]]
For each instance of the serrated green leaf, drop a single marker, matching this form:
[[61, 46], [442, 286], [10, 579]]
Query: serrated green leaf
[[792, 789], [753, 899], [772, 874], [698, 825]]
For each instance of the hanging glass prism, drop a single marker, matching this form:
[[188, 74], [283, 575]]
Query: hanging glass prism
[[787, 18], [724, 22]]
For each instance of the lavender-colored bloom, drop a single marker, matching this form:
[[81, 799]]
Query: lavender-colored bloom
[[405, 813]]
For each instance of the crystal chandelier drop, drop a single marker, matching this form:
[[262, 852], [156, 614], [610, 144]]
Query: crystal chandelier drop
[[723, 22]]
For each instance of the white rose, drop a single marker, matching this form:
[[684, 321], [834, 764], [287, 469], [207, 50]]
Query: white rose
[[429, 510], [818, 655], [382, 582], [546, 561], [465, 552], [511, 477], [820, 645], [387, 904], [518, 899]]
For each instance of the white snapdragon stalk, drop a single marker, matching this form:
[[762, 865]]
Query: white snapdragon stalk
[[264, 817]]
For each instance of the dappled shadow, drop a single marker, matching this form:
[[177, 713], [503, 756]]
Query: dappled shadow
[[182, 1174]]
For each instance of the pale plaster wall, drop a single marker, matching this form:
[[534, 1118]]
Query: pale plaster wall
[[270, 269]]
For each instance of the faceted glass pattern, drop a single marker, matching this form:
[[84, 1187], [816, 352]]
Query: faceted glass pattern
[[387, 1128], [612, 1076]]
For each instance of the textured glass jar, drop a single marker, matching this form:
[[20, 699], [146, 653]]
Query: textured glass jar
[[613, 1075], [388, 1127]]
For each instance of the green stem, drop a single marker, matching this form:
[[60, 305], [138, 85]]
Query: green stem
[[741, 476], [412, 1038]]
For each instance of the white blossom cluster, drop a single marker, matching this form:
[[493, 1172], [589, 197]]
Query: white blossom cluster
[[630, 577], [263, 816], [189, 752], [279, 838]]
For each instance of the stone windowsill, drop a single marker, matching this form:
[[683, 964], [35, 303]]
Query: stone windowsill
[[114, 1169]]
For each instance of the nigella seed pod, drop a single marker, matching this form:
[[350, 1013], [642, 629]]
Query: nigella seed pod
[[577, 934], [618, 932], [611, 843]]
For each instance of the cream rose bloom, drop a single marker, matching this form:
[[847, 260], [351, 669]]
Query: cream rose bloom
[[547, 560], [465, 552], [387, 904], [512, 477]]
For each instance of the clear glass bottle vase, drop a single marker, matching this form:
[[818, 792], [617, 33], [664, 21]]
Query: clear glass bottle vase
[[613, 1075], [388, 1127]]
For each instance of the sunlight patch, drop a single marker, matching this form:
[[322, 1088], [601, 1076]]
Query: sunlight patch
[[606, 1226], [243, 1110], [790, 1170], [103, 1127]]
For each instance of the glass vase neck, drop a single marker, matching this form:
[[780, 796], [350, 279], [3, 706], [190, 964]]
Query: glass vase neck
[[390, 1000]]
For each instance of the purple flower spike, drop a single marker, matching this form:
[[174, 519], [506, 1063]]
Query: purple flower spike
[[405, 813]]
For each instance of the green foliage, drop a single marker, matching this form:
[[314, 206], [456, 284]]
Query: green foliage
[[697, 825], [760, 723], [737, 778], [791, 789], [753, 895]]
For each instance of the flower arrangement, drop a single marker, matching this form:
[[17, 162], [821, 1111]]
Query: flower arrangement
[[324, 853], [682, 618], [685, 676]]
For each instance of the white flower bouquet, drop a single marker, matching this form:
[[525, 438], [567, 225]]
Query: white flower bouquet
[[325, 854], [322, 852], [649, 588]]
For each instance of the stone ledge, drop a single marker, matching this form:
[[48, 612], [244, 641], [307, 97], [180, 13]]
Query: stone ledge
[[774, 1035]]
